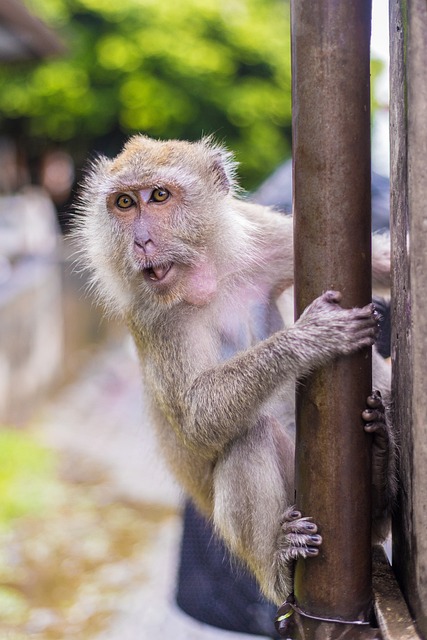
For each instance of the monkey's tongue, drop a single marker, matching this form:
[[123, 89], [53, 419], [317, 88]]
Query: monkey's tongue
[[158, 273]]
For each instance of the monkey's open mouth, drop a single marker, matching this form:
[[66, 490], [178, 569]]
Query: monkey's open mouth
[[159, 273]]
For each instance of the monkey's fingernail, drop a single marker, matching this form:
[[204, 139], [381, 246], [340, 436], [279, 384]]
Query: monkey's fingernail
[[310, 526], [312, 551], [374, 401], [295, 514], [371, 427], [316, 539]]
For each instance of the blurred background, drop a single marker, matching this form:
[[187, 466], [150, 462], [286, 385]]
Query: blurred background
[[89, 519]]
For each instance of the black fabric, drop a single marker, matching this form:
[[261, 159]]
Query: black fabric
[[213, 589]]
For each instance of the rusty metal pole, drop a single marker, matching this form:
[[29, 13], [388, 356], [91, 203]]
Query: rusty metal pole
[[332, 212]]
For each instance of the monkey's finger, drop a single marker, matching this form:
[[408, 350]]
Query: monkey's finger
[[366, 331], [332, 296], [356, 343], [364, 339], [368, 312]]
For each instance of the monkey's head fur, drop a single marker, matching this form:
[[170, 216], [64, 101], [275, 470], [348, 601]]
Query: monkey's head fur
[[156, 223]]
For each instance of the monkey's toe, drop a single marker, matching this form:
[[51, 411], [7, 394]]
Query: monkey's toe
[[293, 521], [374, 414], [297, 545], [375, 400], [300, 535]]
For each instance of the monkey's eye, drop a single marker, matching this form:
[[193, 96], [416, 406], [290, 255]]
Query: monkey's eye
[[124, 201], [160, 195]]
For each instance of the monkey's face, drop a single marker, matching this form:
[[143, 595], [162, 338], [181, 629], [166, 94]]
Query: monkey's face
[[160, 205], [160, 242]]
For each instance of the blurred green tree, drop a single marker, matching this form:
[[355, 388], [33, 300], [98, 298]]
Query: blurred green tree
[[168, 69]]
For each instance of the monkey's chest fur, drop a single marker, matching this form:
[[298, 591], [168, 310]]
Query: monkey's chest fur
[[174, 361], [240, 331]]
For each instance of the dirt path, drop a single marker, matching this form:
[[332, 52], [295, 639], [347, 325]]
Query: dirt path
[[100, 563]]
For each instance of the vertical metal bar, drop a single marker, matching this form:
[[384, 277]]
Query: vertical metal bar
[[332, 202]]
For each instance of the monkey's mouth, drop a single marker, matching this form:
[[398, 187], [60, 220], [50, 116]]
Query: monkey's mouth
[[157, 273]]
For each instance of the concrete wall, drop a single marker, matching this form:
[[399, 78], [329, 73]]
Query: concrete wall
[[49, 324], [31, 350], [31, 318]]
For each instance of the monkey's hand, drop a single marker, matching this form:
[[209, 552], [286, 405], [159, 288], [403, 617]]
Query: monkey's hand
[[383, 464], [330, 331]]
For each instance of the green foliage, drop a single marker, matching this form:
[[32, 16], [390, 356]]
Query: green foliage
[[377, 68], [169, 69], [27, 476], [13, 607]]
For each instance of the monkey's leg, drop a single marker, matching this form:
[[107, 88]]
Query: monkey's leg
[[253, 491]]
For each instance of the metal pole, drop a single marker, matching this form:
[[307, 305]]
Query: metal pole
[[332, 202]]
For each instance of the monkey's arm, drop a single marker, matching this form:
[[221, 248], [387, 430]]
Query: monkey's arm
[[273, 239], [223, 401], [276, 240]]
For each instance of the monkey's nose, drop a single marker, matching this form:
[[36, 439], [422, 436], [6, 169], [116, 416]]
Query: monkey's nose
[[147, 247]]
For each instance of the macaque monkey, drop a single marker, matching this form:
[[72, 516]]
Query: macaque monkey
[[196, 272]]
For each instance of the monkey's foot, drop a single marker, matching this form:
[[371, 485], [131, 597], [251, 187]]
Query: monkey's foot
[[298, 539], [301, 539], [374, 417]]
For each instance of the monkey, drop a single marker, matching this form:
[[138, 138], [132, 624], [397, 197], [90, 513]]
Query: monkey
[[196, 272]]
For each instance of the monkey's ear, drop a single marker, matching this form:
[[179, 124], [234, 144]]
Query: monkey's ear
[[222, 164]]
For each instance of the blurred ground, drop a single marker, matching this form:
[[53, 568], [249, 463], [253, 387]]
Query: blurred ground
[[101, 565]]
